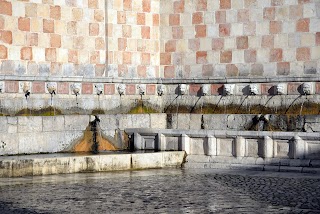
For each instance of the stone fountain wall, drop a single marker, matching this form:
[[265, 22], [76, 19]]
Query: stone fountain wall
[[101, 44], [51, 134]]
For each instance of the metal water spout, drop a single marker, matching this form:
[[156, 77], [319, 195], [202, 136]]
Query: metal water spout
[[99, 88]]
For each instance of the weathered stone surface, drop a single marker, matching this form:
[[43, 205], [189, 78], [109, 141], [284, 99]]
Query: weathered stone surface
[[158, 121], [173, 159], [76, 122], [55, 123], [198, 146], [215, 122], [140, 161], [108, 122], [29, 124]]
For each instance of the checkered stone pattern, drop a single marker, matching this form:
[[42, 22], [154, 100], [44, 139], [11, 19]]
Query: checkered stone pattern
[[230, 38], [133, 38], [52, 37]]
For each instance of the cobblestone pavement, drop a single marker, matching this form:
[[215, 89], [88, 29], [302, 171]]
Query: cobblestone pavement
[[163, 191]]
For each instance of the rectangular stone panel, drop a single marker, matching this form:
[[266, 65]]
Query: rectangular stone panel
[[198, 146], [225, 147]]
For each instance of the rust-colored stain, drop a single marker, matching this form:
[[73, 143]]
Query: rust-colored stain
[[86, 143]]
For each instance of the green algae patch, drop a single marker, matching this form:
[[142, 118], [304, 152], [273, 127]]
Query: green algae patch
[[97, 111], [49, 111]]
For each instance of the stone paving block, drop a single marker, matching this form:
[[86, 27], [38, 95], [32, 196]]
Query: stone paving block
[[315, 163], [311, 170], [290, 169], [220, 166], [246, 167], [271, 168], [299, 162], [198, 158]]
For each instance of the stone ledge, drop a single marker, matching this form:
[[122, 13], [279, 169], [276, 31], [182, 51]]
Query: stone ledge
[[17, 166], [164, 81]]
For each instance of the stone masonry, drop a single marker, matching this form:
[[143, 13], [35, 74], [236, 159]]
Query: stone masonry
[[167, 39], [152, 42]]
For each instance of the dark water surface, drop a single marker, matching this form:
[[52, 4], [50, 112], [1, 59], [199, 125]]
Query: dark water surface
[[163, 191]]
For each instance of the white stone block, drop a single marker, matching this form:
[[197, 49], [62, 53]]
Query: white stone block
[[144, 161], [120, 162], [185, 144], [76, 122], [240, 146], [212, 146], [309, 10], [171, 159], [236, 29], [315, 24], [267, 147], [29, 124], [281, 40]]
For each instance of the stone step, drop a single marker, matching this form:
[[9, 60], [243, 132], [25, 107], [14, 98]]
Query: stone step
[[190, 165]]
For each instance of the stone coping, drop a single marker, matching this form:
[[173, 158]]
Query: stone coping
[[162, 81], [224, 133]]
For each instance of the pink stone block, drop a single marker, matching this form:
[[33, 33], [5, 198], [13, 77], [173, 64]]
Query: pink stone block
[[216, 89], [131, 89], [109, 89], [194, 89], [293, 88], [11, 86], [266, 88], [63, 88], [151, 89], [318, 88], [87, 88], [38, 87]]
